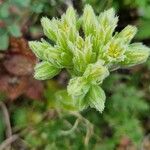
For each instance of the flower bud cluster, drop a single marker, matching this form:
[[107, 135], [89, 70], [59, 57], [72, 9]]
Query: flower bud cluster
[[88, 48]]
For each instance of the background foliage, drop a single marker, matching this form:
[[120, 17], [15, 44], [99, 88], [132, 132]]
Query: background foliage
[[37, 118]]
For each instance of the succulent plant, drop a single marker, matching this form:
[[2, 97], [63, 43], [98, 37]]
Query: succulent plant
[[89, 49]]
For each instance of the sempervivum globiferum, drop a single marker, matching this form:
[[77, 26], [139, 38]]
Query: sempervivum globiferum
[[88, 48]]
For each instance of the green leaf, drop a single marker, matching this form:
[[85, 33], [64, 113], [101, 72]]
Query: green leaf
[[14, 30], [4, 41], [143, 31], [96, 98], [37, 6], [89, 20], [71, 15], [96, 73], [44, 51], [45, 70], [49, 28], [127, 33], [77, 87], [108, 22], [4, 10], [65, 101], [21, 3], [39, 48], [137, 53]]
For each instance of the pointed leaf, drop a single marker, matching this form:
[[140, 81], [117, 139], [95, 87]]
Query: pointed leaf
[[49, 28], [96, 72], [137, 53], [77, 87], [45, 70], [127, 33], [96, 98]]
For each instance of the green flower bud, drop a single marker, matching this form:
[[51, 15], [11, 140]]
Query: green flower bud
[[137, 53], [77, 88], [96, 73], [127, 33], [82, 54], [89, 20], [113, 51], [78, 61], [39, 48], [96, 98], [71, 15], [50, 28], [46, 52], [45, 70], [108, 22]]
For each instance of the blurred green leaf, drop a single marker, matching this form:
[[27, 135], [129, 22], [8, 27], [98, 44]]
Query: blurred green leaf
[[143, 30], [20, 117], [22, 3], [4, 10], [14, 30], [145, 12], [4, 41], [37, 6]]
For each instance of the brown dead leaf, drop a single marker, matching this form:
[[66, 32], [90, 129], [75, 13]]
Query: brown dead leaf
[[12, 86], [35, 89], [16, 69], [20, 46], [18, 65]]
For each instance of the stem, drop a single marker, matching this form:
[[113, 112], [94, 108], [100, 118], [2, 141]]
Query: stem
[[8, 142], [6, 120], [67, 132]]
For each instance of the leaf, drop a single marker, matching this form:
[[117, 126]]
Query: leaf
[[21, 65], [20, 46], [39, 48], [77, 87], [4, 41], [12, 86], [44, 51], [96, 73], [113, 51], [49, 28], [108, 22], [71, 15], [14, 30], [22, 3], [4, 10], [96, 98], [65, 101], [127, 33], [137, 53], [37, 6], [89, 20], [143, 31], [45, 70]]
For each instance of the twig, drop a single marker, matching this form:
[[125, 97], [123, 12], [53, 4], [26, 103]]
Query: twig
[[68, 3], [89, 127], [67, 132], [6, 120], [8, 142], [88, 133]]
